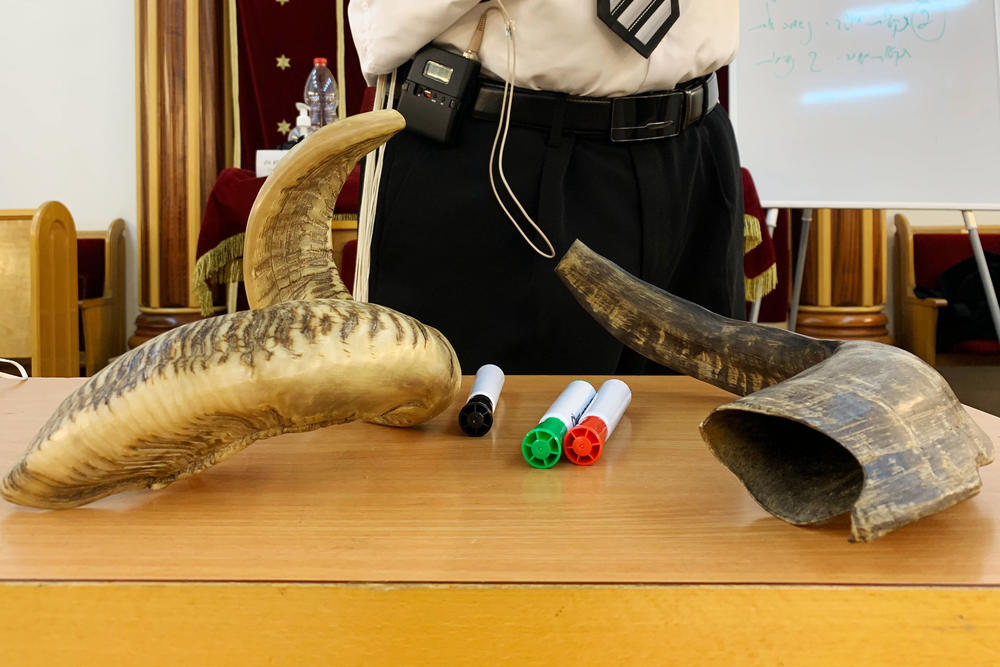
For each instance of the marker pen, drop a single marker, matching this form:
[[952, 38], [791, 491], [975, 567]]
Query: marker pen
[[585, 441], [542, 446], [476, 418]]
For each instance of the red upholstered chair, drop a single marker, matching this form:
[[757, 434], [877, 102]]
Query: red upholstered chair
[[220, 240], [922, 255], [760, 269]]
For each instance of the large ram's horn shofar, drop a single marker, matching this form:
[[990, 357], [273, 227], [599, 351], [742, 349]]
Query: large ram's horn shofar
[[824, 427], [193, 396]]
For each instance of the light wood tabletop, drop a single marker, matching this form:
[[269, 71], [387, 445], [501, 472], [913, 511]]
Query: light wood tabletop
[[428, 506], [359, 502]]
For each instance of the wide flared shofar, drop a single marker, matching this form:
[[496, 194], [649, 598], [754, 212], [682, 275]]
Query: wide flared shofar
[[824, 427]]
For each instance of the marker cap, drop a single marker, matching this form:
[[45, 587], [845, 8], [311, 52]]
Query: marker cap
[[584, 442], [542, 446], [476, 417]]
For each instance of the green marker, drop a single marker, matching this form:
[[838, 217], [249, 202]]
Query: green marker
[[542, 446]]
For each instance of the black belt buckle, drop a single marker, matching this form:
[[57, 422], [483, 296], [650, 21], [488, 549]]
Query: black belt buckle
[[644, 117]]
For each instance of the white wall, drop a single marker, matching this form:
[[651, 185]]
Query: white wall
[[67, 113]]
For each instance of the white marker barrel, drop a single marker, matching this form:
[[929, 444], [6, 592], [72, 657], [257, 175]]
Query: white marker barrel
[[488, 383], [609, 404], [571, 403]]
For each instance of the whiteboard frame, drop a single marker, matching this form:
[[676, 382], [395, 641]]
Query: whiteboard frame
[[877, 204]]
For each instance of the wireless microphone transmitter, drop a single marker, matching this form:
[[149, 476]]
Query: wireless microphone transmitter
[[438, 86]]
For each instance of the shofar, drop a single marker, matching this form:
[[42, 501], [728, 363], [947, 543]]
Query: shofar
[[308, 355], [824, 427]]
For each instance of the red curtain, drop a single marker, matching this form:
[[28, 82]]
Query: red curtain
[[278, 40]]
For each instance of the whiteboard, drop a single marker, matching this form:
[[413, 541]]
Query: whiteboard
[[862, 104]]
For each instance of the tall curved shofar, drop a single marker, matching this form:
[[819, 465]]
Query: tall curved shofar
[[310, 356], [287, 255], [825, 427]]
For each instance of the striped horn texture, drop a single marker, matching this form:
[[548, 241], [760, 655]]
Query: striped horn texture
[[306, 356]]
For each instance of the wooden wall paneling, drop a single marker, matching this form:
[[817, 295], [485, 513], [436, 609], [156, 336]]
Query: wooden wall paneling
[[55, 350], [15, 283], [845, 258], [844, 283], [147, 210], [182, 145]]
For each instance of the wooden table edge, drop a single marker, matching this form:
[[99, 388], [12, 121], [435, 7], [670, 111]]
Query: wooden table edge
[[222, 623]]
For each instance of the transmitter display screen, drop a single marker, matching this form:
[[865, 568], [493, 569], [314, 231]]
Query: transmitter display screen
[[438, 72]]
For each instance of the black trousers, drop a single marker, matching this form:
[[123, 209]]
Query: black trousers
[[669, 211]]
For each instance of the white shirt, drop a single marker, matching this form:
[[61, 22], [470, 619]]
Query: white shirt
[[561, 44]]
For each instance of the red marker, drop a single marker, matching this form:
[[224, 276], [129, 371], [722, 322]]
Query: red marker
[[585, 441]]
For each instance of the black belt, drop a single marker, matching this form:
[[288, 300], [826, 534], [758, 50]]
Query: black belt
[[634, 118]]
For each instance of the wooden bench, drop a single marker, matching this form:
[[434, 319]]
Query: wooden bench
[[38, 289], [923, 254]]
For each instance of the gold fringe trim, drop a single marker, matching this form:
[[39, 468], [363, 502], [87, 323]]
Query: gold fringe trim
[[222, 264], [763, 284], [752, 236]]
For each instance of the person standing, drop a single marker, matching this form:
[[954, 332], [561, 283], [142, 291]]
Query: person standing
[[615, 138]]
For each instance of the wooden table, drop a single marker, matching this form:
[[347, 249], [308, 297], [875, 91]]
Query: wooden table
[[360, 544]]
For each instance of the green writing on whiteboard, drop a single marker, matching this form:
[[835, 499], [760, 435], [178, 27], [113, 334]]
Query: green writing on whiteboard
[[785, 40]]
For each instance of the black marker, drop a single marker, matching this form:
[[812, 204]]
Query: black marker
[[476, 418]]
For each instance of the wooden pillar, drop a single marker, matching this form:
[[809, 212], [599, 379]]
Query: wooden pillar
[[184, 134], [844, 284]]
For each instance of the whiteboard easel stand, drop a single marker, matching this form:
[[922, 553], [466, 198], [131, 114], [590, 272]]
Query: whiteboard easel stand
[[771, 219], [984, 272], [800, 267]]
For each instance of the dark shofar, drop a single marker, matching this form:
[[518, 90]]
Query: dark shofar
[[308, 356], [823, 428]]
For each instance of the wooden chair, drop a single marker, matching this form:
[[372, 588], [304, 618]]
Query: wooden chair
[[922, 255], [102, 306], [38, 289]]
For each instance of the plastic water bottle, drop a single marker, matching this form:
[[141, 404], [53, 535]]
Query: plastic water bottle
[[321, 95]]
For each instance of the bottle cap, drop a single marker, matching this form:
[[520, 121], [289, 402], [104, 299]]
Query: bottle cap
[[319, 61]]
